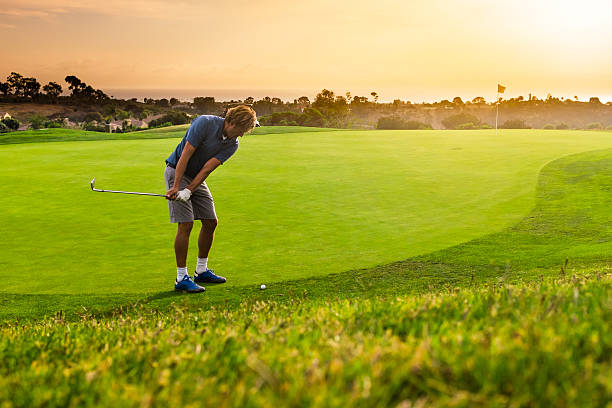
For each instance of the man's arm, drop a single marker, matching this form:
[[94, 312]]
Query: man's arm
[[180, 170], [208, 168]]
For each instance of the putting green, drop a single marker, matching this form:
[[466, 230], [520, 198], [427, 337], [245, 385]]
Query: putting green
[[290, 206]]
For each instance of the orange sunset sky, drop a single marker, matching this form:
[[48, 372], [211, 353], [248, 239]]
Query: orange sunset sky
[[412, 50]]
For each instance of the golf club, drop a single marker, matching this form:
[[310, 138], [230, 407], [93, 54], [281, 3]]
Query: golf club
[[122, 192]]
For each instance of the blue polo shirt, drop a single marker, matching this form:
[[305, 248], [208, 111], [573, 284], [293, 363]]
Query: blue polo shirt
[[206, 135]]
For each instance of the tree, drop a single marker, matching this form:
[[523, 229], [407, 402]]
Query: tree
[[277, 101], [594, 100], [30, 87], [458, 101], [324, 100], [454, 121], [478, 100], [5, 88], [163, 103], [74, 84], [204, 104], [16, 83], [375, 96], [173, 101], [249, 100], [303, 102], [53, 90]]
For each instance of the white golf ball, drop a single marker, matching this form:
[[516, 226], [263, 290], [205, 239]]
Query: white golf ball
[[262, 287]]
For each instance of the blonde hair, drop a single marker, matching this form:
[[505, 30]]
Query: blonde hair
[[242, 116]]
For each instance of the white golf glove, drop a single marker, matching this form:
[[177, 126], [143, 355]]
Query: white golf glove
[[183, 195]]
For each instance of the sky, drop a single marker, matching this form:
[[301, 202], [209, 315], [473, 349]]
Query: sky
[[417, 50]]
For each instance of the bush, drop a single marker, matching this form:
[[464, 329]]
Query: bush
[[93, 116], [595, 125], [395, 122], [562, 126], [549, 126], [4, 128], [11, 123], [37, 121], [312, 117], [165, 124], [609, 127], [515, 124], [172, 117], [467, 126], [94, 128], [486, 126], [280, 118], [453, 121]]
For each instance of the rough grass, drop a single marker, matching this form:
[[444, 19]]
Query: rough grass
[[540, 344]]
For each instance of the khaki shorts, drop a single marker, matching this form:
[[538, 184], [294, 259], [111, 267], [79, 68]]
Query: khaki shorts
[[199, 207]]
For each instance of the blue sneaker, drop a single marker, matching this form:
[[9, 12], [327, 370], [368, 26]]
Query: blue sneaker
[[187, 285], [208, 276]]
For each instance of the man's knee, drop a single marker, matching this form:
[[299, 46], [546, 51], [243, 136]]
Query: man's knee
[[185, 227], [210, 225]]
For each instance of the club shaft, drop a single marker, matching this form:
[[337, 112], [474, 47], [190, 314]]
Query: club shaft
[[128, 192]]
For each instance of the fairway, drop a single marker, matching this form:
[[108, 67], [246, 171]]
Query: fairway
[[290, 205]]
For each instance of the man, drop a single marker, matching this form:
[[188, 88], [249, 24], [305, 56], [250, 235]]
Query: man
[[209, 142]]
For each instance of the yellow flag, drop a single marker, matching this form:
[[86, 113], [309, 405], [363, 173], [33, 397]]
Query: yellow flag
[[500, 88]]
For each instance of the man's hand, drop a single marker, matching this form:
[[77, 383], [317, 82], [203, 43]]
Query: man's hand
[[171, 194], [183, 195]]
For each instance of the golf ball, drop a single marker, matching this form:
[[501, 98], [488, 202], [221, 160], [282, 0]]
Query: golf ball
[[262, 287]]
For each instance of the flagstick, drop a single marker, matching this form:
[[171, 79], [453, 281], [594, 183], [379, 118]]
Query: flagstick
[[496, 112]]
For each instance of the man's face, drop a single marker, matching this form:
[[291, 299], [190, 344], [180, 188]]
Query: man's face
[[231, 132]]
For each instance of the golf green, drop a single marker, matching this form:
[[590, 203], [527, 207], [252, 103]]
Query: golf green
[[290, 205]]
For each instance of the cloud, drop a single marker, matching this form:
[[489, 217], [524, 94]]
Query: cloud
[[142, 8]]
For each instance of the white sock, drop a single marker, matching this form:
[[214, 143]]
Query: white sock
[[202, 264], [181, 273]]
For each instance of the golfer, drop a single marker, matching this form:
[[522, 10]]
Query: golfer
[[209, 142]]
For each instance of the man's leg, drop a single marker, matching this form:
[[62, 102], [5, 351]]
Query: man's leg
[[181, 243], [205, 240], [207, 233]]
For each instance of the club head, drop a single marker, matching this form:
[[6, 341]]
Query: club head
[[93, 181]]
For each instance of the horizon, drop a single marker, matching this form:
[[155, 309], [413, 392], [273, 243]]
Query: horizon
[[423, 51], [288, 95]]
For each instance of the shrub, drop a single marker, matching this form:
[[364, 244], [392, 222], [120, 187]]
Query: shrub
[[172, 117], [93, 116], [467, 126], [395, 122], [595, 125], [94, 128], [609, 127], [280, 118], [515, 124], [312, 117], [165, 124], [37, 121], [11, 123], [562, 126], [549, 126], [486, 126], [4, 128], [453, 121]]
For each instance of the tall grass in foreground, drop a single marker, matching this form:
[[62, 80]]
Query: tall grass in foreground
[[544, 343]]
